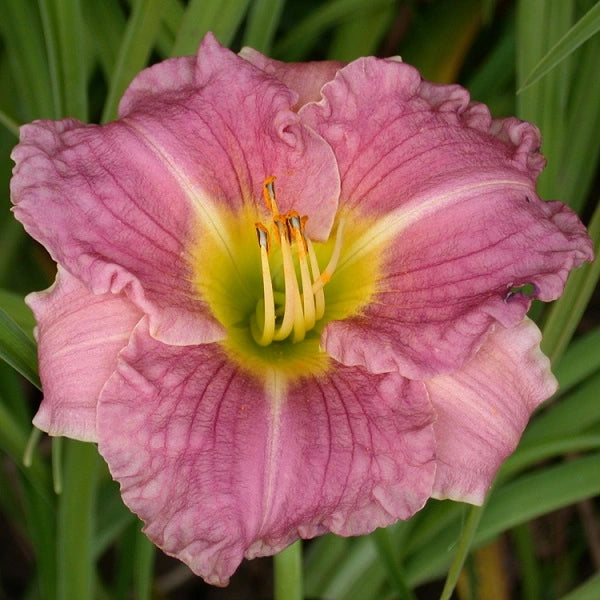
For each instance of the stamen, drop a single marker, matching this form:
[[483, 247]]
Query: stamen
[[296, 227], [333, 261], [292, 314], [316, 275], [269, 195], [264, 334], [295, 312]]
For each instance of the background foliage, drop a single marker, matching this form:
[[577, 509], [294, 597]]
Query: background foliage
[[538, 537]]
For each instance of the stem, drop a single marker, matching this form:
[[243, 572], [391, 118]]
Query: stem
[[288, 573]]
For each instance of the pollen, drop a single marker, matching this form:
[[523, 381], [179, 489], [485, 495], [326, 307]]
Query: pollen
[[293, 313]]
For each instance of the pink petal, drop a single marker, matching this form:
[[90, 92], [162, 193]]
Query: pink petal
[[120, 205], [220, 465], [483, 409], [79, 337], [458, 221], [305, 78], [228, 125], [110, 211]]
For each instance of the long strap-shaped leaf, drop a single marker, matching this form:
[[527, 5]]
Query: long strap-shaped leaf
[[17, 349], [582, 31]]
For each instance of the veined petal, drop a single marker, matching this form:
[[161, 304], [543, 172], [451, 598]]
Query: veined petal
[[483, 409], [108, 209], [305, 78], [182, 148], [451, 197], [224, 127], [220, 464], [79, 337]]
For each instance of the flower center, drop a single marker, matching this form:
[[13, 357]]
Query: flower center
[[275, 300], [295, 310]]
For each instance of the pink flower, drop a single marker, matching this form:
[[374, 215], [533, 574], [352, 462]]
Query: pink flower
[[287, 295]]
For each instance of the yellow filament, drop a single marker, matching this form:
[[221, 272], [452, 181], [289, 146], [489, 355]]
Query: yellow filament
[[307, 293], [333, 261], [298, 313], [319, 295], [264, 337], [292, 313]]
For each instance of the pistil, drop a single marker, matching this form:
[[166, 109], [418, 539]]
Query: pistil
[[298, 312]]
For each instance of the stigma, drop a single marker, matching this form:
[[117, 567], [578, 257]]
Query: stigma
[[295, 310]]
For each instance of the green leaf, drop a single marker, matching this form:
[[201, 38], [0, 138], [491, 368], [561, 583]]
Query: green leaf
[[16, 309], [519, 501], [46, 8], [71, 32], [23, 36], [9, 123], [297, 43], [579, 161], [17, 349], [106, 24], [437, 42], [582, 31], [590, 590], [580, 360], [263, 19], [140, 35], [570, 415], [222, 17], [391, 561], [361, 35]]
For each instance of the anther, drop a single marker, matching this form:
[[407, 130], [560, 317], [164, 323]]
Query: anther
[[269, 195]]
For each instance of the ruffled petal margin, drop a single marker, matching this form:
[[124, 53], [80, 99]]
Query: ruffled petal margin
[[120, 206], [225, 125], [220, 465], [79, 337], [305, 78], [483, 409], [451, 197]]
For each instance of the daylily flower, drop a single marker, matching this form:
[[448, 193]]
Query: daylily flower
[[290, 297]]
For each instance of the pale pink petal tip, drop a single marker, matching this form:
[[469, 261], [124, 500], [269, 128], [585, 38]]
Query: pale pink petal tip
[[220, 467], [483, 409], [79, 337]]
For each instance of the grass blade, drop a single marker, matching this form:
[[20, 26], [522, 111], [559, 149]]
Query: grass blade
[[517, 502], [222, 17], [582, 31], [52, 50], [263, 19], [296, 44], [17, 349], [140, 35], [590, 590], [388, 557], [23, 36], [71, 32]]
